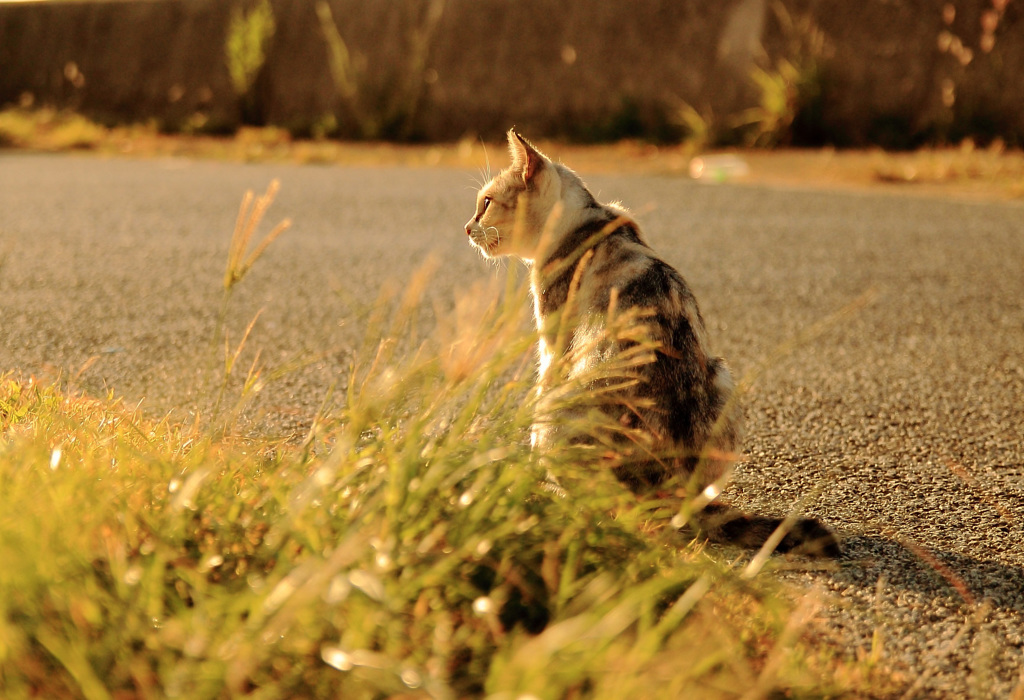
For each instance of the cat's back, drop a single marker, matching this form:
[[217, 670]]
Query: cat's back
[[623, 261]]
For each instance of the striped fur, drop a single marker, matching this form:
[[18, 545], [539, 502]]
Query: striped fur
[[674, 419]]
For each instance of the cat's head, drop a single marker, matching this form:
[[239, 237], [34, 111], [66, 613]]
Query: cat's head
[[514, 209]]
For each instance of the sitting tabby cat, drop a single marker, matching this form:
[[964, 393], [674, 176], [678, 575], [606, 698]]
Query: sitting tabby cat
[[591, 256]]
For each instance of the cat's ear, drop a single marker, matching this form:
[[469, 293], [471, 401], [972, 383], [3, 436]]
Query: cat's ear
[[525, 158]]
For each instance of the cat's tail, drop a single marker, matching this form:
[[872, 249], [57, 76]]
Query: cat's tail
[[724, 524]]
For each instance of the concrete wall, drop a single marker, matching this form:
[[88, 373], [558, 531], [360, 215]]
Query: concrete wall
[[439, 69]]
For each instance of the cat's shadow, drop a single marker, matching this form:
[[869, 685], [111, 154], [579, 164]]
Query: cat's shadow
[[961, 578]]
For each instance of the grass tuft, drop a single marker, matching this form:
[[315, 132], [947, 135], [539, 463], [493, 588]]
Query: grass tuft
[[408, 546]]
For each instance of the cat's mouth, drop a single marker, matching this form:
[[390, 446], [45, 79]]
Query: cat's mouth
[[485, 239]]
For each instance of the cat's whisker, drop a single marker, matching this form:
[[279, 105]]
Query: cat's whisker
[[483, 176], [499, 264], [487, 162]]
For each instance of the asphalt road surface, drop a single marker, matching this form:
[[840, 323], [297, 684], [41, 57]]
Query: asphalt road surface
[[905, 414]]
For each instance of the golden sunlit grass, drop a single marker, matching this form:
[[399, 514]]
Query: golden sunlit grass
[[413, 551], [408, 547]]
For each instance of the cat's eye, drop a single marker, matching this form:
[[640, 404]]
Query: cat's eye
[[487, 203]]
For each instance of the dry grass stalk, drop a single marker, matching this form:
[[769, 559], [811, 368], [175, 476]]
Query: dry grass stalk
[[250, 214]]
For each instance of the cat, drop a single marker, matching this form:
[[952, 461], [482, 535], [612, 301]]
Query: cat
[[588, 261]]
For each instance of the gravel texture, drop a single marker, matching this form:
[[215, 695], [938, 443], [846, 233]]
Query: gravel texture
[[886, 334]]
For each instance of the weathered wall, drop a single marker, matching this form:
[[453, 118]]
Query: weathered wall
[[579, 68]]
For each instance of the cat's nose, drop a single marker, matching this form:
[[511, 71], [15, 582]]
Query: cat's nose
[[469, 231]]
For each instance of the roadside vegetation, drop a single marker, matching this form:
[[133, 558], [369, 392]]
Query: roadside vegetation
[[994, 171], [407, 547]]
